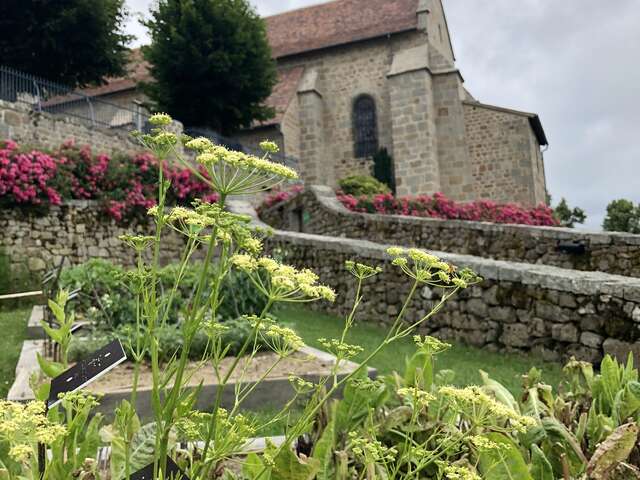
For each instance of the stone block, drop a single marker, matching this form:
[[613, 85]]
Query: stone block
[[592, 340], [515, 335], [564, 332]]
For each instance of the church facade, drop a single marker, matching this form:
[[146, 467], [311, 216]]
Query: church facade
[[356, 76]]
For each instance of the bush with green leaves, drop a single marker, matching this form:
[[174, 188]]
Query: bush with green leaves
[[107, 301], [359, 185], [417, 426], [622, 216]]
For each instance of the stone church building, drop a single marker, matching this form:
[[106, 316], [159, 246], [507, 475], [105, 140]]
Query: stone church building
[[359, 75]]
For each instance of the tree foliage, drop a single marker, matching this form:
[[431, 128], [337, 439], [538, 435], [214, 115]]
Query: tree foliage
[[567, 216], [76, 42], [622, 216], [211, 63]]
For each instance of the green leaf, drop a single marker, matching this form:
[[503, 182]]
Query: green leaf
[[288, 466], [141, 449], [505, 463], [541, 468], [57, 310], [499, 391], [252, 467], [419, 371], [54, 334], [50, 368], [323, 451], [614, 450]]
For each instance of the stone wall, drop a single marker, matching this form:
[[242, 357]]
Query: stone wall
[[504, 157], [550, 311], [318, 211], [44, 130], [78, 230]]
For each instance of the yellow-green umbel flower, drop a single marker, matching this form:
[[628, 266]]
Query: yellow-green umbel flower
[[160, 119]]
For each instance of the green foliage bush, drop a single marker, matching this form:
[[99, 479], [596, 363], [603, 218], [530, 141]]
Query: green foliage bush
[[211, 63], [358, 185], [108, 302], [75, 42], [622, 216], [567, 216]]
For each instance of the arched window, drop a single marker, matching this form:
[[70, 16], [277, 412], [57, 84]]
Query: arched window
[[365, 127]]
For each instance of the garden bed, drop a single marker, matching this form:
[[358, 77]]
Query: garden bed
[[274, 391]]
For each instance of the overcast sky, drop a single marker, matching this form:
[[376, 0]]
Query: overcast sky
[[574, 62]]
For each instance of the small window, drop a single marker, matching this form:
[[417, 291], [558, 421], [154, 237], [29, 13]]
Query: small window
[[440, 32], [365, 126]]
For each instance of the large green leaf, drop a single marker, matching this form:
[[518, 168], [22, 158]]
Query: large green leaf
[[499, 391], [505, 463], [614, 450], [355, 404], [288, 466], [141, 450], [419, 371], [50, 368], [541, 468], [323, 451]]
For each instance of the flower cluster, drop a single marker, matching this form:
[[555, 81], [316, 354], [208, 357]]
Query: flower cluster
[[415, 396], [485, 408], [282, 340], [278, 196], [455, 472], [340, 349], [25, 177], [427, 268], [370, 450], [439, 206], [282, 283], [124, 184], [230, 172], [21, 424]]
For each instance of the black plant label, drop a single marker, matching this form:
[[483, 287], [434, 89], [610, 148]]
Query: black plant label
[[86, 371]]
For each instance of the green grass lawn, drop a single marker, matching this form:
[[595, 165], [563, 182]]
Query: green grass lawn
[[464, 360], [13, 328]]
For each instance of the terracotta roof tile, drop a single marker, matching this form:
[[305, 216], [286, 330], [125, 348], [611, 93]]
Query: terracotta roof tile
[[338, 22]]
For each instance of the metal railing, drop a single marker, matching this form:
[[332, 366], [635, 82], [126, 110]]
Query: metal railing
[[50, 97]]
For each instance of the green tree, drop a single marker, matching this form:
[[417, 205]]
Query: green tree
[[76, 42], [567, 216], [622, 216], [210, 62]]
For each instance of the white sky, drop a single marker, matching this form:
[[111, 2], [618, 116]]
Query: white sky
[[574, 62]]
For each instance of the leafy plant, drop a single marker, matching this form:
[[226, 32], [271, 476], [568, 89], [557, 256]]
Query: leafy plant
[[358, 185], [567, 216], [60, 51], [223, 46], [622, 216]]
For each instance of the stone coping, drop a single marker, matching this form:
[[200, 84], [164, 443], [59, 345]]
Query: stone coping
[[327, 198], [545, 276]]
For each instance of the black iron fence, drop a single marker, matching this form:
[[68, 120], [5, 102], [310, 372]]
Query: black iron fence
[[50, 97]]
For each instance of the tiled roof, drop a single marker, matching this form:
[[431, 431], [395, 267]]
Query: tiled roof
[[297, 31], [337, 23], [283, 92]]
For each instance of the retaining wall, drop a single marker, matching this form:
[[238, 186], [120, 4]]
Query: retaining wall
[[318, 211], [547, 310], [79, 230]]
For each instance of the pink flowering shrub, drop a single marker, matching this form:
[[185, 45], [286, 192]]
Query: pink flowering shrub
[[432, 206], [125, 185], [25, 177], [280, 196], [439, 206]]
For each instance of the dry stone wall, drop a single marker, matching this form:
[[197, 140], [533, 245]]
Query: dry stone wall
[[318, 211], [554, 312], [78, 230]]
